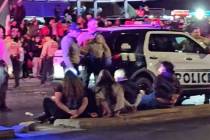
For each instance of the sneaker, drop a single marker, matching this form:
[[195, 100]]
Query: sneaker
[[51, 120], [42, 118]]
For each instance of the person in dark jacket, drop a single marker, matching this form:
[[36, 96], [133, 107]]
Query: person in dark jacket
[[166, 89]]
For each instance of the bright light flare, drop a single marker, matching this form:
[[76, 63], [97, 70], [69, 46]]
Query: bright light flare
[[199, 14]]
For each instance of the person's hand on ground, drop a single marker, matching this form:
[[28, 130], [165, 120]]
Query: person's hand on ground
[[74, 116], [93, 115]]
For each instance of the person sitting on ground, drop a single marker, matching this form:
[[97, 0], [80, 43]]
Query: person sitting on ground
[[109, 95], [131, 89], [69, 100], [167, 89]]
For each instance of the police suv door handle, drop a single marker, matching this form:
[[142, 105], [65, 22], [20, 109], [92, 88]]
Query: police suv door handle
[[189, 59], [153, 57]]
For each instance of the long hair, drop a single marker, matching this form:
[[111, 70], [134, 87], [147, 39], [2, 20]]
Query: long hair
[[73, 86], [105, 81], [104, 78]]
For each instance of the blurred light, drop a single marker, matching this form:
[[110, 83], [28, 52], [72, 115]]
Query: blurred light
[[199, 14], [168, 17], [177, 17], [151, 16]]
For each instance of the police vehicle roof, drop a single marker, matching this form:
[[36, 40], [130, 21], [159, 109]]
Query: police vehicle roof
[[128, 28]]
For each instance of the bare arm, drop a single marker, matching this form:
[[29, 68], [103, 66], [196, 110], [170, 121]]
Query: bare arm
[[58, 102], [81, 108]]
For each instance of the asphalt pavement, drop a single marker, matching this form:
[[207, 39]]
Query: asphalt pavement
[[196, 129], [24, 101]]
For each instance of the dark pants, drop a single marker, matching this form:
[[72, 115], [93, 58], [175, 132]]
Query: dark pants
[[52, 110], [3, 90], [47, 68], [16, 69], [94, 65]]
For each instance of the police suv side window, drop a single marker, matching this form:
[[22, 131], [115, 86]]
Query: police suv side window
[[173, 43], [126, 43], [187, 45], [161, 43]]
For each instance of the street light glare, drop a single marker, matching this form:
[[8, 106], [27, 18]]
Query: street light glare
[[199, 13]]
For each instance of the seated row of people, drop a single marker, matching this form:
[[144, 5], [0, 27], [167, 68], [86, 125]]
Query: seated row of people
[[110, 97]]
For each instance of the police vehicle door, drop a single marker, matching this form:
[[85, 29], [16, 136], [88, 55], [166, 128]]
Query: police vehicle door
[[192, 63]]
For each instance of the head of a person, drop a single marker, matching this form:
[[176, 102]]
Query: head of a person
[[166, 67], [89, 17], [119, 75], [104, 78], [73, 86], [37, 38], [15, 32], [74, 30], [47, 38], [2, 32], [14, 23], [92, 25], [196, 32], [100, 39]]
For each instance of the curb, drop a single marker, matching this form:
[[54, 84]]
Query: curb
[[138, 118], [6, 132]]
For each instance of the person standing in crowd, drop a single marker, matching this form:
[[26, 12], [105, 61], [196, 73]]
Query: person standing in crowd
[[98, 54], [48, 51], [196, 33], [27, 46], [33, 29], [85, 37], [69, 100], [4, 61], [37, 49], [15, 54], [57, 12], [69, 14], [167, 89], [19, 12], [4, 55], [70, 49]]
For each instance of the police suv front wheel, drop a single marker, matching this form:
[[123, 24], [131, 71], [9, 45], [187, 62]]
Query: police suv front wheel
[[144, 84]]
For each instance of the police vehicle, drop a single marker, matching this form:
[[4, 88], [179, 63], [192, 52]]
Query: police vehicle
[[139, 50]]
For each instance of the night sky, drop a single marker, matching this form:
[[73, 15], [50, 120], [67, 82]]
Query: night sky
[[180, 4]]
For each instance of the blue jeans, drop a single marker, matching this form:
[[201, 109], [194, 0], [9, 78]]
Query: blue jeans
[[150, 102]]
